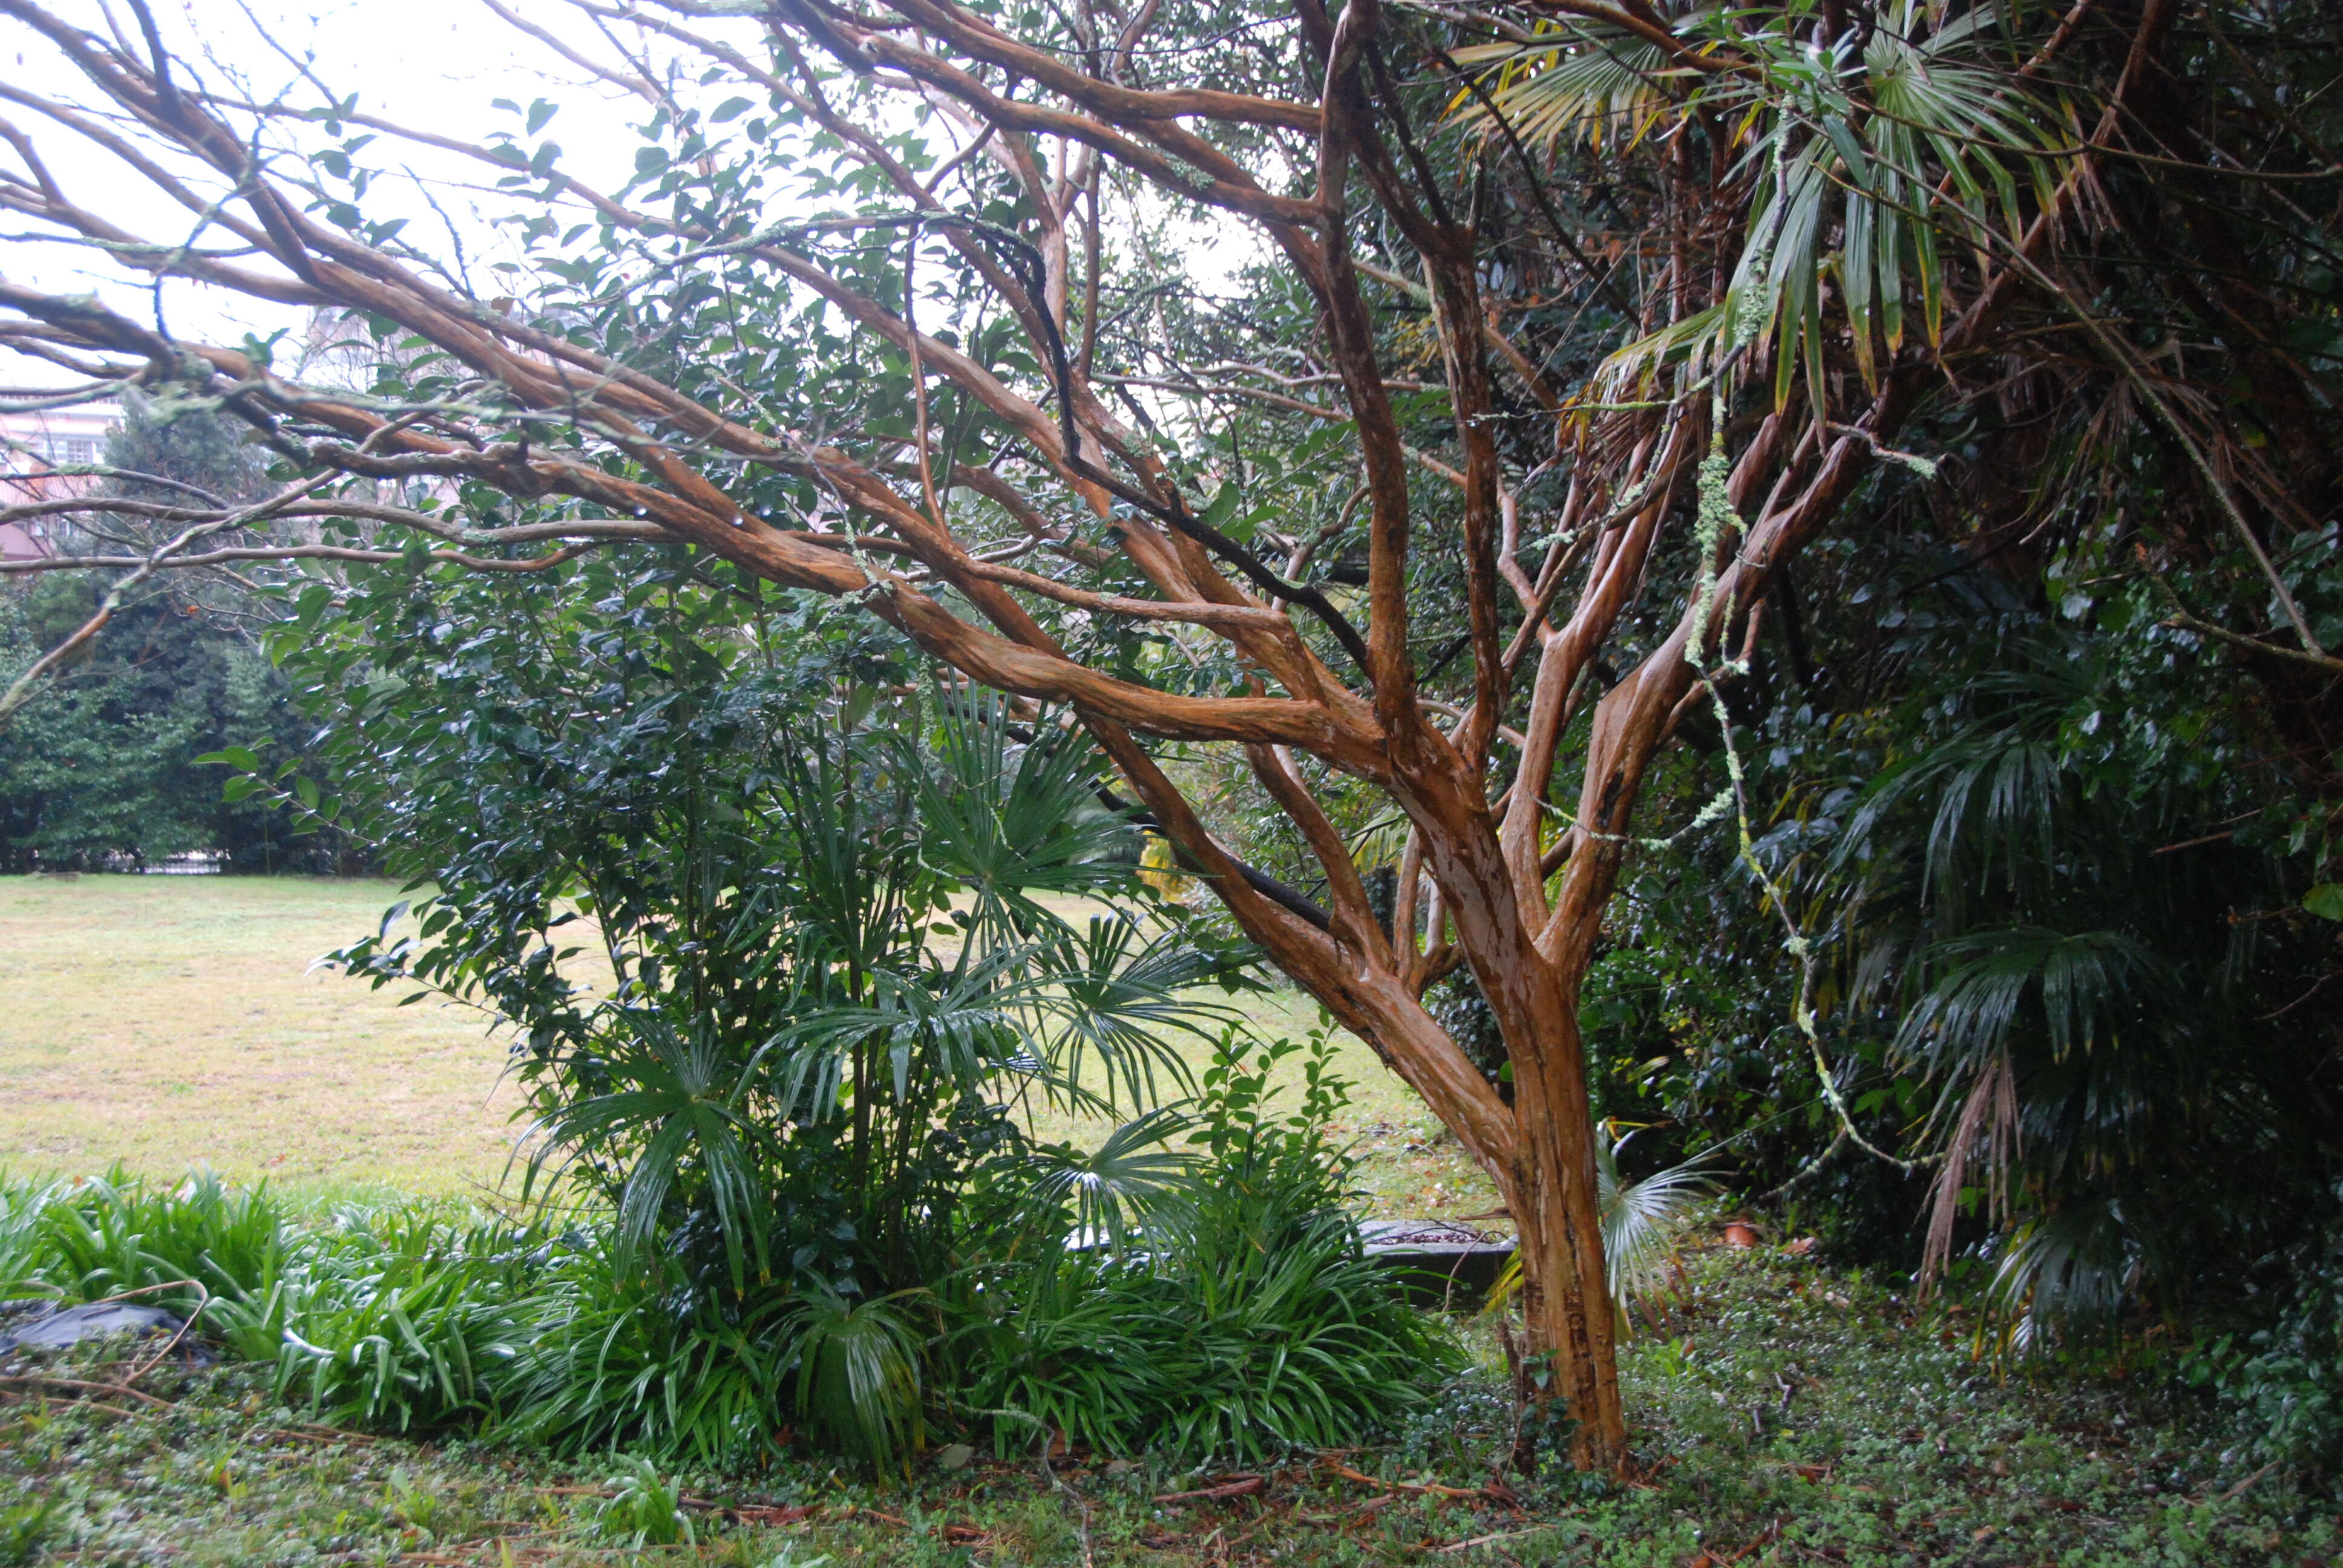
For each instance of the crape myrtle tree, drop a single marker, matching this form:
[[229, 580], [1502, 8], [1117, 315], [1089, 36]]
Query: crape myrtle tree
[[1555, 311]]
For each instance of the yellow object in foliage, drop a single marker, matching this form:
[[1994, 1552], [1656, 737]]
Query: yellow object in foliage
[[1158, 868]]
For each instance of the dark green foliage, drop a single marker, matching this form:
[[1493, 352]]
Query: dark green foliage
[[2057, 905], [2283, 1377], [1458, 1006], [622, 1357], [2063, 851], [422, 1316], [101, 766], [859, 1374], [1205, 1349], [192, 446], [2057, 842], [400, 1321], [1241, 1319]]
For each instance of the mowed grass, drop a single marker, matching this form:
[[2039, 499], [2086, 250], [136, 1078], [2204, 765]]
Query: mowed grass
[[164, 1022], [168, 1021]]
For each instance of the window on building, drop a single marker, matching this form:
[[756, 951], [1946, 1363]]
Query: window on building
[[73, 449]]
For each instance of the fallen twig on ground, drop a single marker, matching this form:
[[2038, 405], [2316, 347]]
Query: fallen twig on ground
[[1351, 1515], [2234, 1492], [1235, 1486], [41, 1381], [1708, 1558], [1501, 1535], [306, 1432], [151, 1362], [1427, 1488]]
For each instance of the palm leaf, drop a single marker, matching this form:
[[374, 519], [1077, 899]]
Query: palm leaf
[[1101, 1193], [1593, 85], [1643, 1220], [859, 1374], [1009, 819], [676, 1102], [1863, 166]]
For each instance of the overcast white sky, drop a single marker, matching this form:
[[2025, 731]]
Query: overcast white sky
[[432, 65], [435, 64]]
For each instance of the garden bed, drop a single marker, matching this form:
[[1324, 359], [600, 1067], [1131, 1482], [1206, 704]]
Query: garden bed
[[1785, 1414]]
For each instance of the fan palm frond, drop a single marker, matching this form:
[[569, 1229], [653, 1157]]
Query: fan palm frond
[[1010, 819], [859, 1374], [2068, 1270], [1642, 1220], [1124, 998], [1863, 160], [1134, 1175], [1591, 83], [955, 1028], [2084, 987], [673, 1101]]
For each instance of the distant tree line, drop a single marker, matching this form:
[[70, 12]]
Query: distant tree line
[[100, 770]]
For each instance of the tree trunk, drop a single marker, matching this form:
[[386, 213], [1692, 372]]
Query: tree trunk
[[1556, 1210], [1555, 1200]]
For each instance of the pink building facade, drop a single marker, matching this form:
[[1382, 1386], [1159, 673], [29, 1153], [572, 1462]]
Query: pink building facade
[[39, 443]]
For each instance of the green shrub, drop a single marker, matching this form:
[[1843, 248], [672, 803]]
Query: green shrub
[[383, 1341], [22, 1247], [26, 1528], [391, 1317], [1248, 1322], [646, 1509], [1242, 1351], [858, 1382], [104, 1237], [619, 1357], [2285, 1382]]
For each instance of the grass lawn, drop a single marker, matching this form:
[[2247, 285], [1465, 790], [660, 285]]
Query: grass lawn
[[164, 1022], [168, 1020], [1785, 1414]]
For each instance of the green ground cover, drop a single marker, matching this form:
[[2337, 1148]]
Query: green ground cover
[[1784, 1411], [170, 1022], [1785, 1414]]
